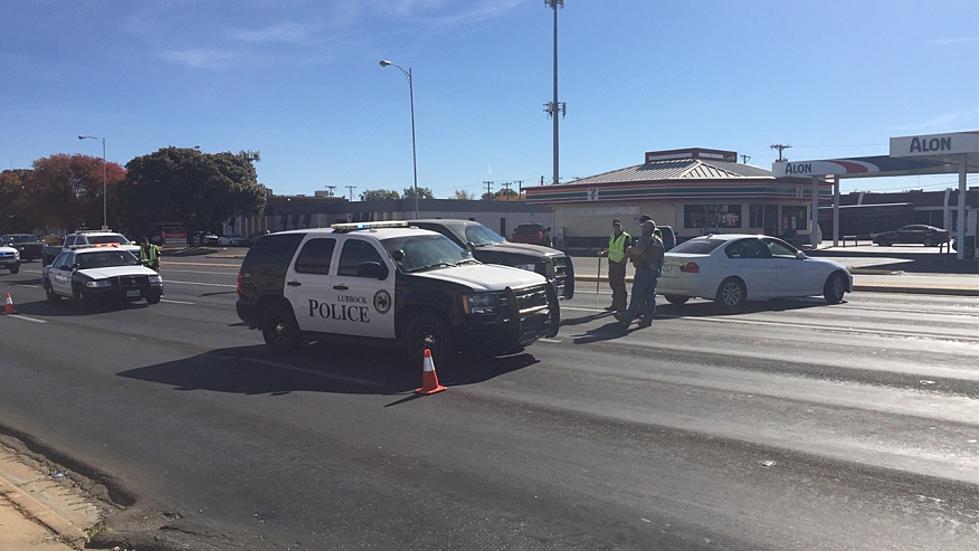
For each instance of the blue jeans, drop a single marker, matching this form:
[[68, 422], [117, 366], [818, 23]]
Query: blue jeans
[[643, 295]]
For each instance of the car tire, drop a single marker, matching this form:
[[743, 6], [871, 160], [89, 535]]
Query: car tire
[[835, 288], [731, 293], [82, 302], [153, 298], [53, 297], [14, 269], [676, 299], [280, 330], [443, 346]]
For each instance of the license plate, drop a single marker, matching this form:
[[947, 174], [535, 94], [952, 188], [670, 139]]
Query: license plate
[[134, 293]]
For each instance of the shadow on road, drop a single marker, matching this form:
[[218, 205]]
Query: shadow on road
[[319, 367]]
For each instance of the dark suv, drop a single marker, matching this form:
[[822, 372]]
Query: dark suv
[[30, 246], [489, 247]]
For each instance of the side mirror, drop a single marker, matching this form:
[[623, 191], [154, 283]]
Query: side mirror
[[374, 270], [800, 255], [398, 255], [471, 247]]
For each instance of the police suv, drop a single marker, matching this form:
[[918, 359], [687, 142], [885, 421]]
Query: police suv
[[386, 282]]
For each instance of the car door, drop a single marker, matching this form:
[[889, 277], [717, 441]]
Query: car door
[[750, 260], [61, 273], [792, 275], [309, 283], [362, 304]]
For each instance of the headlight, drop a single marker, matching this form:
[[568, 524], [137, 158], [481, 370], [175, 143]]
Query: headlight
[[528, 267], [156, 279], [98, 283], [481, 304], [16, 255]]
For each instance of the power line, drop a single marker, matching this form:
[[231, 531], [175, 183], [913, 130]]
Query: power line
[[351, 188], [745, 159], [780, 148], [489, 185]]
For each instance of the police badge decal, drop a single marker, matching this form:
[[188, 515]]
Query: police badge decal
[[382, 301]]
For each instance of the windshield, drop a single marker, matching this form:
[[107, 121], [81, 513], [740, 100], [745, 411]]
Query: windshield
[[425, 252], [106, 259], [481, 236], [103, 239]]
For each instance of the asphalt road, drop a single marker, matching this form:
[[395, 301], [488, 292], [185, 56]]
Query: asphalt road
[[794, 425]]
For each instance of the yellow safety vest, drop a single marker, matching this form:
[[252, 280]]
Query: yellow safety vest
[[616, 247]]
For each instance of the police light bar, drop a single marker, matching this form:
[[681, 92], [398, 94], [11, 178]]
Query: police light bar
[[368, 226]]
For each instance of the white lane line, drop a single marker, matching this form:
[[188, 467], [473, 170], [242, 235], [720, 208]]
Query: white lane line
[[164, 263], [199, 272], [168, 281], [27, 285], [25, 318], [555, 341], [175, 301], [313, 372]]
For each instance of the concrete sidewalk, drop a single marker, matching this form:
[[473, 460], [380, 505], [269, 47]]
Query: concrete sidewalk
[[20, 533], [586, 270]]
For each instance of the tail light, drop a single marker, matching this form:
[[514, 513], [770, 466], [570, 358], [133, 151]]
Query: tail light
[[690, 268], [241, 284]]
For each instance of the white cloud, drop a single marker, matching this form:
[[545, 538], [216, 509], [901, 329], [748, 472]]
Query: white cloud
[[289, 33], [198, 58], [945, 121], [959, 40]]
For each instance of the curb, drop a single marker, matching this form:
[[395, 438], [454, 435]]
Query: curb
[[948, 291], [33, 509]]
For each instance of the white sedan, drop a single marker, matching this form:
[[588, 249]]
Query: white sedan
[[732, 269]]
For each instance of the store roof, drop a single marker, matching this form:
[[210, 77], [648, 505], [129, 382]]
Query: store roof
[[690, 168]]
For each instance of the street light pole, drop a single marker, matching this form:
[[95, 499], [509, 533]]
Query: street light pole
[[411, 95], [105, 210], [554, 107]]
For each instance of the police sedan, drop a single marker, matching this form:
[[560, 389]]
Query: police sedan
[[93, 274], [733, 268]]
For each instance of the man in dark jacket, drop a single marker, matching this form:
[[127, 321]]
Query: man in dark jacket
[[647, 257]]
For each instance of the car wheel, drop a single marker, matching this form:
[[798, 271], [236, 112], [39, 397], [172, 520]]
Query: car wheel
[[676, 299], [835, 288], [53, 297], [426, 327], [14, 269], [280, 330], [732, 293], [153, 298], [82, 302]]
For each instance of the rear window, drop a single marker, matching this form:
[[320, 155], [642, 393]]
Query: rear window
[[271, 254], [529, 228], [698, 246], [107, 239]]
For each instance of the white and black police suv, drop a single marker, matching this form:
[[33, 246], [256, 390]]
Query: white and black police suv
[[386, 282]]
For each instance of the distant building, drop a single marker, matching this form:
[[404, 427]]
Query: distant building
[[288, 212], [693, 190], [935, 208]]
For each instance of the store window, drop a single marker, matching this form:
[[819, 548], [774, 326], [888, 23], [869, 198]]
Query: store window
[[714, 216], [794, 218], [756, 216]]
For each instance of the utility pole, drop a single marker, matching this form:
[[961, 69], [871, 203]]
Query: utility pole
[[489, 185], [780, 148], [351, 189], [331, 188], [519, 187], [745, 159], [554, 107], [506, 186]]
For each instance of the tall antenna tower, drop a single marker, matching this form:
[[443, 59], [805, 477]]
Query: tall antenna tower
[[554, 107]]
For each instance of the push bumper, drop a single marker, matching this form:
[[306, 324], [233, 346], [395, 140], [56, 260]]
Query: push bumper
[[527, 315], [121, 294]]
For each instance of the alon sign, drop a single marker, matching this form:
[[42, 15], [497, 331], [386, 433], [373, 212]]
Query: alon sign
[[935, 144]]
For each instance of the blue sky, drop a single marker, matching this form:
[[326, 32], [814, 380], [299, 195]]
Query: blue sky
[[299, 81]]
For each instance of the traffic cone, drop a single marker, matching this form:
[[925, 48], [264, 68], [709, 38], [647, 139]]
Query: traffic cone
[[9, 307], [430, 380]]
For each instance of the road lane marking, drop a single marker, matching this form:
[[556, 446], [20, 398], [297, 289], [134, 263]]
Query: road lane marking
[[199, 272], [27, 285], [25, 318], [555, 341], [168, 281], [313, 372], [175, 301], [169, 263]]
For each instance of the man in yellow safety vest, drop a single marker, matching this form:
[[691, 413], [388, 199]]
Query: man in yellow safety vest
[[617, 261], [149, 255]]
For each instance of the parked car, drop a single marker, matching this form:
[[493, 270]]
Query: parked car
[[29, 246], [532, 234], [210, 239], [489, 247], [89, 238], [732, 269], [929, 236], [93, 274], [669, 236], [232, 241], [9, 258]]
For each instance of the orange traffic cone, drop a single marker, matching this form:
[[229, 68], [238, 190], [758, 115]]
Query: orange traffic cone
[[430, 380], [9, 307]]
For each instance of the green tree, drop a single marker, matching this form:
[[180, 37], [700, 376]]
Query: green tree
[[201, 190], [423, 193], [13, 198], [378, 194], [488, 196], [507, 195], [464, 195]]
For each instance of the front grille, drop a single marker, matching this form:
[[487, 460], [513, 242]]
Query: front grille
[[130, 281], [531, 297]]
